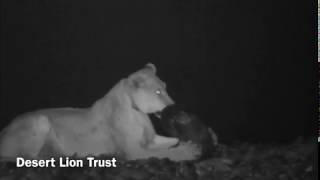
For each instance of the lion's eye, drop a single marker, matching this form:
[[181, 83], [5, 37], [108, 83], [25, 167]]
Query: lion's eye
[[158, 92]]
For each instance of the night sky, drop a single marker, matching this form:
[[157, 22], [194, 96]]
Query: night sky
[[246, 68]]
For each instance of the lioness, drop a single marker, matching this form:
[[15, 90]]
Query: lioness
[[118, 123]]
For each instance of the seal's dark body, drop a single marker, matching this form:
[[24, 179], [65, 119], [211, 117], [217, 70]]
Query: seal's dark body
[[187, 127]]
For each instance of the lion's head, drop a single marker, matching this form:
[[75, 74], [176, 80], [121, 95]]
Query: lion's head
[[148, 92]]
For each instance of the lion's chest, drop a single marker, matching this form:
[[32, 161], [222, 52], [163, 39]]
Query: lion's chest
[[138, 128]]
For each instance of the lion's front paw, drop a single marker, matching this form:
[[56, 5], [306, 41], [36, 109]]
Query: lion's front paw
[[186, 151], [163, 142]]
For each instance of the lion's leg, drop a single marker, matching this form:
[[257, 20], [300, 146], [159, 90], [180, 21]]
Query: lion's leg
[[25, 137], [162, 142], [184, 151]]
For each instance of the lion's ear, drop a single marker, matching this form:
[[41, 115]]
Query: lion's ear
[[152, 67], [136, 81]]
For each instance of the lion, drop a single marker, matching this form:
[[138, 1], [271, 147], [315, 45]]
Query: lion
[[118, 123]]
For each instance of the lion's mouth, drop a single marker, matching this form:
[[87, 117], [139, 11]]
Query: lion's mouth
[[158, 114], [155, 115]]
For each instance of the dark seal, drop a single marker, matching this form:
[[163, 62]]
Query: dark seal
[[175, 122]]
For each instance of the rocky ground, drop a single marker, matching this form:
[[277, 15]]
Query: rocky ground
[[296, 160]]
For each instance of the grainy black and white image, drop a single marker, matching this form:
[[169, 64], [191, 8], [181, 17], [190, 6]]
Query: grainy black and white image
[[159, 90]]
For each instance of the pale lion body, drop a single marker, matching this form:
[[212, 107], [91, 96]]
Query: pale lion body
[[115, 124]]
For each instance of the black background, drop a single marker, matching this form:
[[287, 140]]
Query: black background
[[247, 68]]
